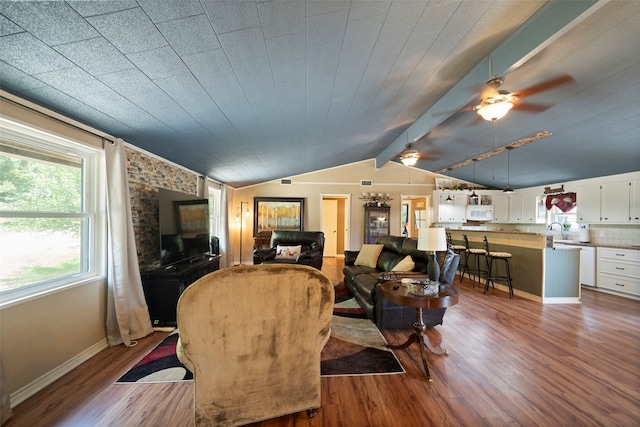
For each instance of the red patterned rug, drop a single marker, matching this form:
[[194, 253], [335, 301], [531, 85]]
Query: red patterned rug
[[356, 347]]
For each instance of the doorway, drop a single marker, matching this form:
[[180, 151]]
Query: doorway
[[335, 223], [414, 215]]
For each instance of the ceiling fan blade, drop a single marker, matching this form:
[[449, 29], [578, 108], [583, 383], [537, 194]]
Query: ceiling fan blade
[[541, 87], [531, 108]]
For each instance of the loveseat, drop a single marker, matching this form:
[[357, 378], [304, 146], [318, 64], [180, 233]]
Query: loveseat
[[364, 281], [292, 247]]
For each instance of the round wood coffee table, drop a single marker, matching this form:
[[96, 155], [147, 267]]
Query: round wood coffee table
[[396, 293]]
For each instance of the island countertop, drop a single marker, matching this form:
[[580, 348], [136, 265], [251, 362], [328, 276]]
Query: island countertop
[[538, 271]]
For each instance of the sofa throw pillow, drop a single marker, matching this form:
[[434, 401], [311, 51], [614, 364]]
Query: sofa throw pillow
[[368, 255], [288, 252], [405, 264]]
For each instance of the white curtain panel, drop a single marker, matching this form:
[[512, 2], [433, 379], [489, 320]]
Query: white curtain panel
[[224, 219], [127, 313]]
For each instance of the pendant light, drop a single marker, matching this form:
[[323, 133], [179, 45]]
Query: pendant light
[[508, 188], [474, 197], [449, 199]]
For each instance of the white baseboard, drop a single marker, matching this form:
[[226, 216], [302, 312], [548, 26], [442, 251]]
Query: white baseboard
[[561, 300], [35, 386]]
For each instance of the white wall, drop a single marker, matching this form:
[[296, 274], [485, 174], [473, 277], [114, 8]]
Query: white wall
[[392, 178]]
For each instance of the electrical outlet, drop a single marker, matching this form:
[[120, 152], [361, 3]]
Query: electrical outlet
[[602, 234]]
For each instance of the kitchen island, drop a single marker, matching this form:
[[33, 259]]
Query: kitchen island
[[538, 271]]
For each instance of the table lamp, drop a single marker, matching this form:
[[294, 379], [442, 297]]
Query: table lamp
[[431, 240]]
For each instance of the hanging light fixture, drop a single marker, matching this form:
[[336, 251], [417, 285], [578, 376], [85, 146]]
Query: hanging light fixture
[[410, 158], [493, 108], [496, 103], [449, 199], [508, 188], [474, 197]]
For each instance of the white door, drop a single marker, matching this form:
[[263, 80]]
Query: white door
[[330, 226]]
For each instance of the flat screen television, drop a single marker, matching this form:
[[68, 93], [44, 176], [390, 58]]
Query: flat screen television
[[184, 226]]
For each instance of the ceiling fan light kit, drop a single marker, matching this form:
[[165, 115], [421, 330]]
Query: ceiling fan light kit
[[410, 160], [410, 157], [495, 108]]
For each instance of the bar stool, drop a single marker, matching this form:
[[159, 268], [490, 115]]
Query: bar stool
[[500, 256], [477, 253], [459, 249]]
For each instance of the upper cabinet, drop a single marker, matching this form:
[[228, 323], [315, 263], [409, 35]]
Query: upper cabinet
[[515, 207], [523, 208], [612, 202], [453, 210], [588, 203], [615, 202], [500, 208], [635, 201]]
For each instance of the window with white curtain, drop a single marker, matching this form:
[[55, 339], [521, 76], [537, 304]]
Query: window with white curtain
[[48, 203], [215, 202]]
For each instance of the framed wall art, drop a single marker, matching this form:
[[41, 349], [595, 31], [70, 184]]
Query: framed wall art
[[192, 217], [277, 213]]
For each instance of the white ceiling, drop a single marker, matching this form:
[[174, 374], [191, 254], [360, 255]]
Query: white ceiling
[[250, 91]]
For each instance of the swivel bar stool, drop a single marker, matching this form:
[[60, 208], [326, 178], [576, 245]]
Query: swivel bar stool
[[501, 256], [459, 249], [477, 253]]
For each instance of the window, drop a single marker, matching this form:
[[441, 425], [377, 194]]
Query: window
[[568, 219], [215, 199], [48, 210]]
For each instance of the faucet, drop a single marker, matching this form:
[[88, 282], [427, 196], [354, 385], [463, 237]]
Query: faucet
[[561, 229]]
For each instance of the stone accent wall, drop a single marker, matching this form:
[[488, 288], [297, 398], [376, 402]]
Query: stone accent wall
[[146, 175]]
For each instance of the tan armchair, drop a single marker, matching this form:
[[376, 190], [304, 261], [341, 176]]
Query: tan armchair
[[252, 336]]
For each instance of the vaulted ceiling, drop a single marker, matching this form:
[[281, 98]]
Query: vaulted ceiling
[[250, 91]]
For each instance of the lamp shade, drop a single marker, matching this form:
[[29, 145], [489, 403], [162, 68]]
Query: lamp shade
[[432, 239]]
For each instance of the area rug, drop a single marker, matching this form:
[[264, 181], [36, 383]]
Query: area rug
[[356, 347]]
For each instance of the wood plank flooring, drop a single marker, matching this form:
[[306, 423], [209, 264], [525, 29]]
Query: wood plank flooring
[[511, 362]]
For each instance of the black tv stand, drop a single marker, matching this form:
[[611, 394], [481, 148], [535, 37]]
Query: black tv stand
[[163, 286]]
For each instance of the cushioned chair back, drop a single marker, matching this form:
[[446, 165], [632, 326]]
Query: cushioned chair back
[[391, 244], [449, 266], [252, 336], [307, 239]]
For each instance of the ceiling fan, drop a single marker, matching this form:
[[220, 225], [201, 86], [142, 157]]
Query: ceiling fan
[[495, 103], [410, 156]]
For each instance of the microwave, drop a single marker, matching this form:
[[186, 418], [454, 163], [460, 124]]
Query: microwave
[[480, 213]]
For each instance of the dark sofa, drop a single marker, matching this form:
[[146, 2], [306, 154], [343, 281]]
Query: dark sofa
[[364, 282], [312, 243]]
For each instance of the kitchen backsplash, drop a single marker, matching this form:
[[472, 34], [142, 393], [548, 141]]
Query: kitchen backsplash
[[605, 234]]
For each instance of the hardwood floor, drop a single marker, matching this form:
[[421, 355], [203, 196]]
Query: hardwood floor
[[512, 362]]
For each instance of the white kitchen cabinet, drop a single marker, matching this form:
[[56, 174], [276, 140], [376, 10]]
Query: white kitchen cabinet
[[635, 201], [515, 207], [500, 208], [454, 210], [588, 204], [619, 270], [530, 208], [615, 202]]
